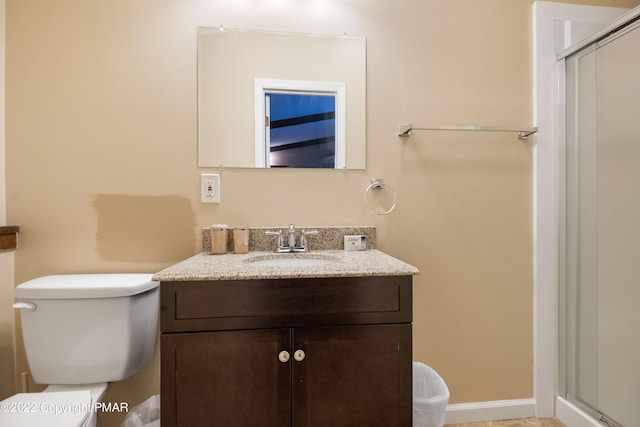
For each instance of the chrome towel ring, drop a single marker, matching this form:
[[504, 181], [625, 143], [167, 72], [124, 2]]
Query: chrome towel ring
[[378, 184]]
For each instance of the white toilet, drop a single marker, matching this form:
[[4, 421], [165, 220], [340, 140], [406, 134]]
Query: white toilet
[[81, 332]]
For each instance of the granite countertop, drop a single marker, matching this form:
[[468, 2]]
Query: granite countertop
[[205, 266]]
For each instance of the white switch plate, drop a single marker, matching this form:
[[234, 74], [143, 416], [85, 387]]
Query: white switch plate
[[210, 188]]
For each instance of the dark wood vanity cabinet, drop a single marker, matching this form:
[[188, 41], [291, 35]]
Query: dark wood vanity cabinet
[[287, 352]]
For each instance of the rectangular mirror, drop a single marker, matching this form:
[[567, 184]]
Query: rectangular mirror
[[252, 90]]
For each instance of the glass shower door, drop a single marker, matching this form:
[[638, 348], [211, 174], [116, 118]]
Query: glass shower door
[[603, 228]]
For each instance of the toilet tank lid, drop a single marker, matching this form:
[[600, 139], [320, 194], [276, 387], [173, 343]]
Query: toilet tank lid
[[76, 286]]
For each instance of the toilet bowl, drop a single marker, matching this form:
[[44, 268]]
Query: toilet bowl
[[81, 332], [60, 409]]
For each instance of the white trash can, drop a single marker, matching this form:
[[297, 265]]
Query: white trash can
[[430, 397], [146, 414]]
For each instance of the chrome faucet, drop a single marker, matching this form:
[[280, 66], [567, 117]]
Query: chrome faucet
[[292, 236], [291, 241]]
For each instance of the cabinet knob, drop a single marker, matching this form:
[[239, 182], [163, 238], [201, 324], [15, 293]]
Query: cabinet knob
[[284, 356], [299, 355]]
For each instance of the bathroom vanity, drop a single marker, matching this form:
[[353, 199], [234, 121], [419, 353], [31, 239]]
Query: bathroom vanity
[[326, 344]]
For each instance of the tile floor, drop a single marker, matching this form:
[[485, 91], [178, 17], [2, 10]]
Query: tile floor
[[524, 422]]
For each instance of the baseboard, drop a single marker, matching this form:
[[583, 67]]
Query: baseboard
[[572, 416], [459, 413]]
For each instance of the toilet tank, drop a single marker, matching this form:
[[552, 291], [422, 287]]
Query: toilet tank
[[88, 328]]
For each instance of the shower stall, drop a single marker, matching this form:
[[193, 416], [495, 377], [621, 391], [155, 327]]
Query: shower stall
[[599, 248]]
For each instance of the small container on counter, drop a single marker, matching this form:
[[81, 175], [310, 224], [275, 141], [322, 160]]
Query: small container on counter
[[219, 239], [240, 240]]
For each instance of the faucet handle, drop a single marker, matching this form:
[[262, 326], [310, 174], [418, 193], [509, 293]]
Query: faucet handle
[[278, 233], [303, 237]]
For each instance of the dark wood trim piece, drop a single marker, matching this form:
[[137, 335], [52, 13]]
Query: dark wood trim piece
[[9, 236]]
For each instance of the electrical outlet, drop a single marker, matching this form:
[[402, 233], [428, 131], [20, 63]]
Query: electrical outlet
[[209, 188]]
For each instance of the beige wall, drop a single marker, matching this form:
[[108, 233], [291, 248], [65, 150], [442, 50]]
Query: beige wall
[[102, 172]]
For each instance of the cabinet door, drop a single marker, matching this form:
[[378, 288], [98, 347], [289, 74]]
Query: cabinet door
[[352, 376], [230, 378]]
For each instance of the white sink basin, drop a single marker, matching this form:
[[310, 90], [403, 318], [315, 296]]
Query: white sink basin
[[292, 260]]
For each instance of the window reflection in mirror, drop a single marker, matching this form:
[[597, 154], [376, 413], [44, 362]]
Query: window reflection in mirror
[[299, 124], [300, 130]]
